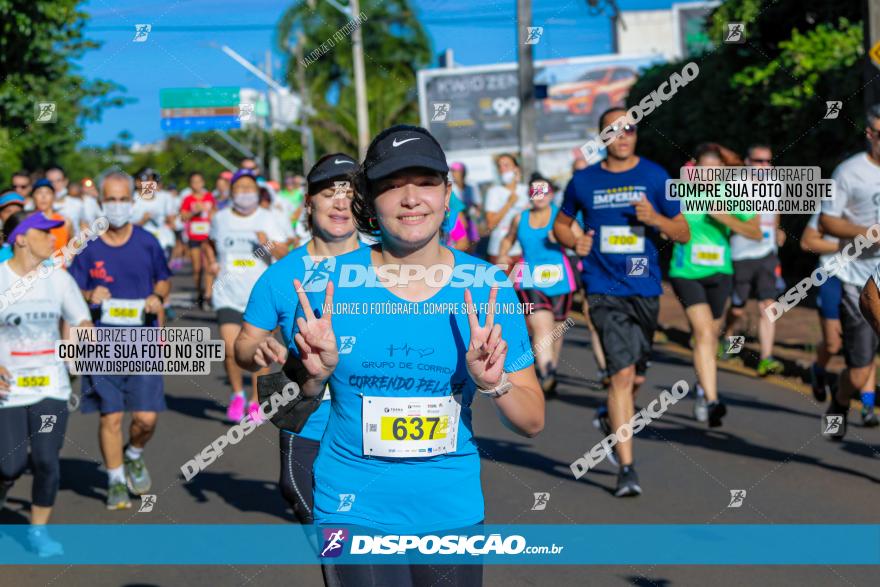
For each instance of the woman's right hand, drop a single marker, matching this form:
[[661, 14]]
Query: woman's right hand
[[315, 340]]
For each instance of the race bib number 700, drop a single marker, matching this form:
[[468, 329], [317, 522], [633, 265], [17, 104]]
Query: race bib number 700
[[622, 239]]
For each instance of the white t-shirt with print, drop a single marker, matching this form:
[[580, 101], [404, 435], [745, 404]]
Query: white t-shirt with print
[[29, 329], [857, 199], [496, 197], [241, 257], [159, 207]]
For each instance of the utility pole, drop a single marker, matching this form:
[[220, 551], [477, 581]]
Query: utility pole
[[274, 162], [360, 81], [308, 144], [527, 118], [871, 18]]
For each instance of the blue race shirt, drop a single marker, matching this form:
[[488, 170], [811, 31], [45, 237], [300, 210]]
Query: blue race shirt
[[5, 252], [606, 200], [273, 302], [389, 347], [547, 266], [129, 271]]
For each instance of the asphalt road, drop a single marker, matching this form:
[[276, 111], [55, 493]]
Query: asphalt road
[[770, 446]]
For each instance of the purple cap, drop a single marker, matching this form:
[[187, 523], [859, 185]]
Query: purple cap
[[242, 173], [36, 220]]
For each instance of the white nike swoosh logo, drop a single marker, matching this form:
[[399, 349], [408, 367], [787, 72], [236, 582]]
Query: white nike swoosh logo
[[338, 162], [395, 143]]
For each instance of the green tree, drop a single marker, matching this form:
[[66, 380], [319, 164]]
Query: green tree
[[772, 88], [39, 41], [395, 47]]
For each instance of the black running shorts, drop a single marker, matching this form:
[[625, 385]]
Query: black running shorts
[[626, 328]]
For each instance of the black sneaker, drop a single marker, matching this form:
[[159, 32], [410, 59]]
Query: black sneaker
[[627, 482], [869, 418], [717, 410], [834, 420], [818, 383]]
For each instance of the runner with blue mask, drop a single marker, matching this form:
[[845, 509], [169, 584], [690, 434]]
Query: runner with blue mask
[[624, 205], [545, 278], [405, 354], [273, 303]]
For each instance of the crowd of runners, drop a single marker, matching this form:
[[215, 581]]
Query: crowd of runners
[[271, 262]]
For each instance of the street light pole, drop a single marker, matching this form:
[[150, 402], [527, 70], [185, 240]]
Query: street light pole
[[360, 82]]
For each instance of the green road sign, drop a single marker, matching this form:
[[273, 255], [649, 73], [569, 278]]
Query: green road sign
[[199, 97]]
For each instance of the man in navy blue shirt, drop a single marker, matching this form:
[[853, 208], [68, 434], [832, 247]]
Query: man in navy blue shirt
[[124, 278], [624, 206]]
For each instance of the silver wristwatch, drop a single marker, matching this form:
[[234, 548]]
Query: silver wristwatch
[[503, 387]]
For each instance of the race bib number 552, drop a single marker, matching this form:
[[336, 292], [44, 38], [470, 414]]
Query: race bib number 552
[[407, 427]]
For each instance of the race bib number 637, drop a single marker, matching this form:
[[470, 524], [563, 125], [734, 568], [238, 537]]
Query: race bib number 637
[[407, 427]]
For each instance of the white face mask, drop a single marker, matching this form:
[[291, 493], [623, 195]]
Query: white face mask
[[508, 177], [118, 213], [245, 201]]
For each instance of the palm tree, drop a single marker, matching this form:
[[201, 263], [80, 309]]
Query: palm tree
[[395, 47]]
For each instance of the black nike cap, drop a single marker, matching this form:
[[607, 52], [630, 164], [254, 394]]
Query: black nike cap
[[333, 166], [401, 147]]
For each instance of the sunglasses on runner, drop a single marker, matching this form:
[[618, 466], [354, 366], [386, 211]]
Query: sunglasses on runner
[[760, 160]]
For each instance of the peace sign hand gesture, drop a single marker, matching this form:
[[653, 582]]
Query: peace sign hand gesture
[[486, 349], [315, 340]]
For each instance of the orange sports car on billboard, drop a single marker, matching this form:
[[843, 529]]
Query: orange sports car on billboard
[[594, 91]]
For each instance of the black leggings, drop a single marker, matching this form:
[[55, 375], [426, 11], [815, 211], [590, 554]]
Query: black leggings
[[297, 458], [22, 427], [410, 575]]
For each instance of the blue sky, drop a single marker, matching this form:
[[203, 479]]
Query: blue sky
[[479, 32]]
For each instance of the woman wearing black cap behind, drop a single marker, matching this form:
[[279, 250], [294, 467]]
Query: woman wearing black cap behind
[[399, 454], [273, 303]]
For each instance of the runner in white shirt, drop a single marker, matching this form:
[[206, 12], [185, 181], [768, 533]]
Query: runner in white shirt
[[503, 203], [242, 243], [34, 384], [754, 274], [854, 211], [70, 208], [154, 209]]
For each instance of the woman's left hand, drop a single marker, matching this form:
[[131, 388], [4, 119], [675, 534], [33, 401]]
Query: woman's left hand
[[486, 349]]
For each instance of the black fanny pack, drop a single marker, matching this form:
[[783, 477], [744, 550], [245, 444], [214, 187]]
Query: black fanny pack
[[293, 408]]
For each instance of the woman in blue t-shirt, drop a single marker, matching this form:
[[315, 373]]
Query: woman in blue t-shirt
[[545, 278], [406, 334]]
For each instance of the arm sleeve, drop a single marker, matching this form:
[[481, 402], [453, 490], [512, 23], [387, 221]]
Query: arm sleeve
[[73, 307]]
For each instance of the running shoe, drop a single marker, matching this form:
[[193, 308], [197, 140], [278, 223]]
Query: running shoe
[[235, 411], [4, 491], [818, 383], [627, 482], [769, 366], [117, 497], [869, 418], [137, 476], [701, 409], [835, 430], [43, 544], [717, 410], [603, 423], [255, 413]]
